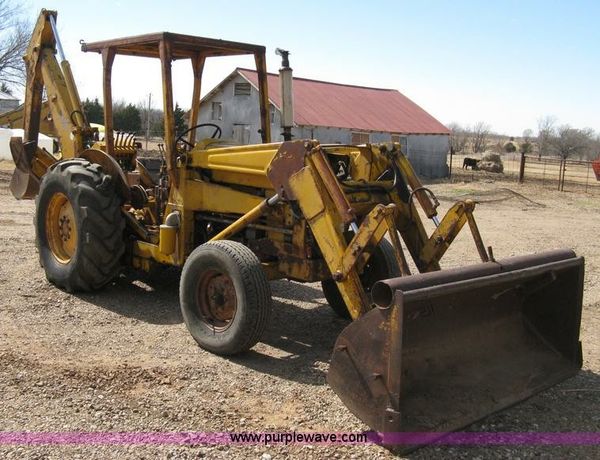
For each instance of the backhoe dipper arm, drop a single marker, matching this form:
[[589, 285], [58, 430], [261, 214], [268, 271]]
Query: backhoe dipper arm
[[43, 70], [64, 105]]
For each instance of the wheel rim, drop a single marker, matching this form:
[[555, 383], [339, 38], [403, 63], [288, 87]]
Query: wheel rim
[[61, 228], [216, 300]]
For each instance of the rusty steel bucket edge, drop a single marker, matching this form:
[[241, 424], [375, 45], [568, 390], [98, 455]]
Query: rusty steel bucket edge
[[455, 347]]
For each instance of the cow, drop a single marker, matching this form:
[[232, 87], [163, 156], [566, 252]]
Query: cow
[[472, 162]]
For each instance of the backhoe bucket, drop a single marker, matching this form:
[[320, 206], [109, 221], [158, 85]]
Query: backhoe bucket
[[23, 184], [447, 348]]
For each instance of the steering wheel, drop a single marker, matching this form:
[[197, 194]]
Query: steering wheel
[[215, 135]]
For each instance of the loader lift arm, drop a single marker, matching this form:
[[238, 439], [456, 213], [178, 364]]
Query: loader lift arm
[[301, 173]]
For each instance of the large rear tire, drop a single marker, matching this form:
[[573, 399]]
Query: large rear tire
[[225, 297], [79, 226], [381, 265]]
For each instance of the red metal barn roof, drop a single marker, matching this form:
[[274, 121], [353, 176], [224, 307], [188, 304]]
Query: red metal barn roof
[[321, 103]]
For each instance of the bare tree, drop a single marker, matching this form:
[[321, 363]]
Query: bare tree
[[479, 137], [569, 141], [546, 126], [497, 146], [15, 33], [154, 118], [459, 137]]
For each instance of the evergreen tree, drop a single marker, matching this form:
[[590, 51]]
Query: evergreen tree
[[157, 128], [127, 118], [180, 124], [94, 112]]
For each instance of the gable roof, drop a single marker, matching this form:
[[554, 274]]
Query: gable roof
[[321, 103]]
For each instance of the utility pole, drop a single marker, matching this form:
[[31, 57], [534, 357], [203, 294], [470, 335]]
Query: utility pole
[[148, 120]]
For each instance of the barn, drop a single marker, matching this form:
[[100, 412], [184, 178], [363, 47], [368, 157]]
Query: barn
[[330, 113]]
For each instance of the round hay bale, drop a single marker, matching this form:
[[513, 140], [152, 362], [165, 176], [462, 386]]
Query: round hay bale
[[492, 157], [491, 162], [490, 166]]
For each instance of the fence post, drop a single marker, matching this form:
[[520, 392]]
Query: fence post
[[561, 174], [450, 168], [522, 168], [544, 173], [587, 176]]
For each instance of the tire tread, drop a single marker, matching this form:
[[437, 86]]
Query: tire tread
[[100, 227], [257, 291]]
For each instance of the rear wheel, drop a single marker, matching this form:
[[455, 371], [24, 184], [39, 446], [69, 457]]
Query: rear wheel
[[225, 297], [79, 226], [381, 265]]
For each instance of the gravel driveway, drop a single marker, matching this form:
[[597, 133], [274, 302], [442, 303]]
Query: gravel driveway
[[122, 360]]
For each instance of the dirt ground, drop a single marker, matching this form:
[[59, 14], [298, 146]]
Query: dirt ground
[[122, 360]]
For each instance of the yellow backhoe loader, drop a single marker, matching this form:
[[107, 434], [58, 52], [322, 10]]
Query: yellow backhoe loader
[[431, 351]]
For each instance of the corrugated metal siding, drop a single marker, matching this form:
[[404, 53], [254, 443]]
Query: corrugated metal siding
[[319, 103]]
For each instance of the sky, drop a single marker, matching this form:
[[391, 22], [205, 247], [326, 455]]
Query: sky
[[507, 63]]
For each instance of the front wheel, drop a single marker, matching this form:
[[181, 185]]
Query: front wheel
[[79, 226], [225, 297]]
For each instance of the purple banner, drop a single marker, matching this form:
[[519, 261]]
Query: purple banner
[[306, 438], [478, 438]]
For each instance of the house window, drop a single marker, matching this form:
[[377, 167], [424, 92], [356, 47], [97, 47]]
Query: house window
[[360, 138], [241, 133], [241, 89], [402, 140], [272, 114], [217, 111]]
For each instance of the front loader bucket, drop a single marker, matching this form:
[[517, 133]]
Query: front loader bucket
[[447, 348]]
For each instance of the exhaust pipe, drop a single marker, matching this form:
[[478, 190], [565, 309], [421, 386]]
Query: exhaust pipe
[[287, 95]]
